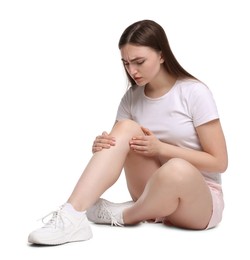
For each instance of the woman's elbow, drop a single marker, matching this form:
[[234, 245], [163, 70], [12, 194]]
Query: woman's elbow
[[222, 165]]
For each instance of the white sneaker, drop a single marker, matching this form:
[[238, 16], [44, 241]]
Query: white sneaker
[[62, 228], [106, 212]]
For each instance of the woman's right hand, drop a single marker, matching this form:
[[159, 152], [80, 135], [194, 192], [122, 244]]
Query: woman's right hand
[[104, 141]]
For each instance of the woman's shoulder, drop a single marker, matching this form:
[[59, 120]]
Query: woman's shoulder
[[189, 86], [194, 91], [190, 83]]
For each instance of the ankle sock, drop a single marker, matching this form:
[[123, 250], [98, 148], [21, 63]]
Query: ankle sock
[[68, 207]]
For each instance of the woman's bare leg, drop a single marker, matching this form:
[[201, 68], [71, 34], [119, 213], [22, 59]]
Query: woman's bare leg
[[105, 167], [176, 190], [138, 170]]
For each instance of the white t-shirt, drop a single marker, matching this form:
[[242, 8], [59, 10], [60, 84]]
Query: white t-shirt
[[173, 117]]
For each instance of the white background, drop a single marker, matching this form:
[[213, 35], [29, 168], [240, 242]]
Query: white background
[[61, 80]]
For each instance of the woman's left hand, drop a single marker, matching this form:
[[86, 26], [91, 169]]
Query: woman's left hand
[[146, 144]]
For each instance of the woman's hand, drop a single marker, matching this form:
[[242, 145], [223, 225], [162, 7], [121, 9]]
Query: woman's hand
[[146, 144], [104, 141]]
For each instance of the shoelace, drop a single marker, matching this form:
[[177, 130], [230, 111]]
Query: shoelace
[[55, 220], [105, 213]]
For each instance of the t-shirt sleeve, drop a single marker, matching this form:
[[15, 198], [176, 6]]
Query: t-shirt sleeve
[[124, 108], [202, 105]]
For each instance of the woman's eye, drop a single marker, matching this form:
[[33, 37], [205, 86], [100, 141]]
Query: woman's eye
[[140, 62]]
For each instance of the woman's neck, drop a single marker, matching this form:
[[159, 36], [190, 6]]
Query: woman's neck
[[160, 86]]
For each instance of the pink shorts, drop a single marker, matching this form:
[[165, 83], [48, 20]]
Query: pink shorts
[[218, 204]]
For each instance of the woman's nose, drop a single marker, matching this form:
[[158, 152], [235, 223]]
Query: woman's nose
[[133, 70]]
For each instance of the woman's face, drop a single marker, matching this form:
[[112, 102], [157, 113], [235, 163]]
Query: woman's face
[[142, 63]]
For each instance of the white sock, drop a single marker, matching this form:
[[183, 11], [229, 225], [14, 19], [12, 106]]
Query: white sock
[[68, 207]]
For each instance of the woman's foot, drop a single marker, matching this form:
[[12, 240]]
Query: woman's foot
[[63, 227], [106, 212]]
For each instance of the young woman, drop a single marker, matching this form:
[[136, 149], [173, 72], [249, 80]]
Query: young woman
[[167, 138]]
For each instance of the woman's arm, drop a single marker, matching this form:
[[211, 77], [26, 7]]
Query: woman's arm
[[213, 158]]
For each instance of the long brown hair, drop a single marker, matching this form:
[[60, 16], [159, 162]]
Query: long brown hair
[[149, 33]]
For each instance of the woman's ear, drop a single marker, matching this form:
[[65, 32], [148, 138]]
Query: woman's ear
[[161, 59]]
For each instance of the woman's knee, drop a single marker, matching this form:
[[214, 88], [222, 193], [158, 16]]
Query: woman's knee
[[176, 170], [127, 125]]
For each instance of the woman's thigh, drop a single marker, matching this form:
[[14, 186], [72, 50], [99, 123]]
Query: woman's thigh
[[195, 201], [138, 170], [175, 192]]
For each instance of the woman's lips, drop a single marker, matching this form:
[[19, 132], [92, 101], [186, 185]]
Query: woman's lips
[[137, 79]]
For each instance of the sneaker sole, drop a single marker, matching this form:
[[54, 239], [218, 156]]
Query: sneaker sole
[[76, 237]]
